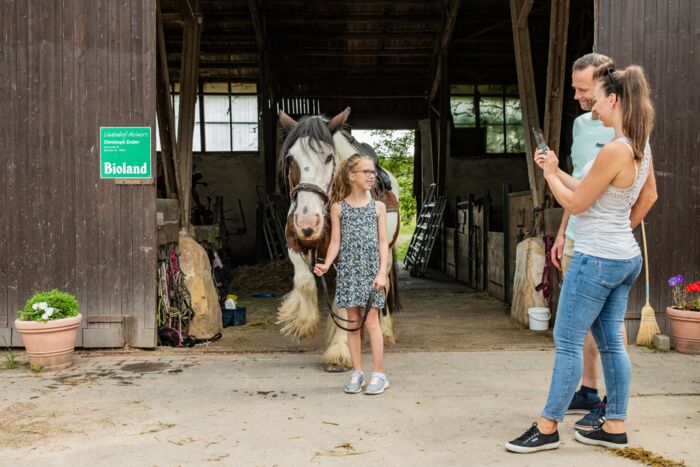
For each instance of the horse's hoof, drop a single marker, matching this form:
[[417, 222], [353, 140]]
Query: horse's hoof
[[334, 368]]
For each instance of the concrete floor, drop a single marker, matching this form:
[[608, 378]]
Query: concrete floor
[[465, 379], [443, 409]]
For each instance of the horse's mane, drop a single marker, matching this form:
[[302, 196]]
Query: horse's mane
[[315, 128]]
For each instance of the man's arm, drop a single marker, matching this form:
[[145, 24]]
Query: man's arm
[[647, 198]]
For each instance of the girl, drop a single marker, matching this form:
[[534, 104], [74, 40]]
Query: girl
[[606, 262], [358, 233]]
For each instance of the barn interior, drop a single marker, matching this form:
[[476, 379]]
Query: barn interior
[[467, 77]]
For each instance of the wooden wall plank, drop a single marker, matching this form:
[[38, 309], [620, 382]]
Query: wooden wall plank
[[7, 142], [73, 66], [662, 36], [148, 248]]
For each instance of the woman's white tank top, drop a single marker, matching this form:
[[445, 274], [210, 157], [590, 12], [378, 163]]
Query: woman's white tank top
[[604, 229]]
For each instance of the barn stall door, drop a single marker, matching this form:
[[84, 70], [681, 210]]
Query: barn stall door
[[69, 68]]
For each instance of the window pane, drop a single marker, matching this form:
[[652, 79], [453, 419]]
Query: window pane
[[515, 138], [216, 109], [494, 138], [245, 137], [463, 112], [491, 110], [245, 109], [218, 136], [513, 113], [157, 136]]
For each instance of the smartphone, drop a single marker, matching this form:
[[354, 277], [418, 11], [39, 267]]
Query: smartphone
[[539, 139]]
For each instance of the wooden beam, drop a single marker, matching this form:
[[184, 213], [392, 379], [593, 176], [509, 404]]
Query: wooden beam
[[164, 113], [187, 11], [556, 72], [445, 113], [525, 14], [528, 97], [189, 75], [257, 24], [443, 43]]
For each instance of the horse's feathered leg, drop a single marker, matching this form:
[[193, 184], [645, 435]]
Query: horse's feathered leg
[[337, 354], [298, 313]]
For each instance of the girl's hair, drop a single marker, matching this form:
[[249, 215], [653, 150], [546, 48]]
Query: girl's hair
[[632, 90], [341, 184]]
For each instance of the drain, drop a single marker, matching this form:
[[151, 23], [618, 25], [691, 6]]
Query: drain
[[145, 367]]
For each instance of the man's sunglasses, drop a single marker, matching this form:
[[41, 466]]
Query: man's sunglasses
[[609, 73]]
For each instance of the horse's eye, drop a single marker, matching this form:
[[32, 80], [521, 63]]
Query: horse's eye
[[329, 159]]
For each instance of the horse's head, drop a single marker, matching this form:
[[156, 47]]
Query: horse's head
[[308, 162]]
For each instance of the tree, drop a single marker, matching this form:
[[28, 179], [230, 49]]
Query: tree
[[395, 151]]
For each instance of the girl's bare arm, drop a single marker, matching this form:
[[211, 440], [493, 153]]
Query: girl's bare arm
[[334, 245]]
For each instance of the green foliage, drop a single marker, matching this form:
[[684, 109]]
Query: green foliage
[[36, 368], [45, 306], [9, 354], [395, 151]]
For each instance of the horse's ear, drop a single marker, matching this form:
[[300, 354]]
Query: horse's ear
[[338, 121], [287, 121]]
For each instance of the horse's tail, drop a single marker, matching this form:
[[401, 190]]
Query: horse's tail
[[392, 299]]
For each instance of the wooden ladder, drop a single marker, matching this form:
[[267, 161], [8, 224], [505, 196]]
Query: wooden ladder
[[427, 230], [273, 229]]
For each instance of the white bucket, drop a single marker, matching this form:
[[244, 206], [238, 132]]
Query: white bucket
[[539, 318]]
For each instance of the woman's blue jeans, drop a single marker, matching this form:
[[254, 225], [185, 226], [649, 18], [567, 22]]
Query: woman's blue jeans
[[594, 296]]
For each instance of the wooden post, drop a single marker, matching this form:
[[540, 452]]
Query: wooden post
[[445, 110], [164, 112], [520, 10], [267, 98], [189, 72], [556, 71]]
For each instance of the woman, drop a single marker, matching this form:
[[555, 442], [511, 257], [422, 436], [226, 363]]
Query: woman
[[607, 259]]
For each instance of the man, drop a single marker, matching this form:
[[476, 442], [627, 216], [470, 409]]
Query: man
[[589, 137]]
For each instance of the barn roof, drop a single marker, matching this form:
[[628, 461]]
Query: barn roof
[[348, 48]]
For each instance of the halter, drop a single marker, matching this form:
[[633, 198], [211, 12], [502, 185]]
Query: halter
[[309, 187]]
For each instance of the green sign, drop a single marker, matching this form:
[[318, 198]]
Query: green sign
[[125, 152]]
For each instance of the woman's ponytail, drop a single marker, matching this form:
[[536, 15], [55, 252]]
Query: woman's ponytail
[[637, 109]]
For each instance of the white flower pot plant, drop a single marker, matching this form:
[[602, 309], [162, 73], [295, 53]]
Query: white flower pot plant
[[49, 326]]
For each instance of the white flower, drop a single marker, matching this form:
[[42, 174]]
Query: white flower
[[43, 305], [45, 316], [49, 311], [35, 306]]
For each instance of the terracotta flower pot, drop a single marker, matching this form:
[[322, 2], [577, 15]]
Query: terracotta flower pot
[[685, 327], [50, 344]]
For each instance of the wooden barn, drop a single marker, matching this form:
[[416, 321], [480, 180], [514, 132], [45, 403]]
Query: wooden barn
[[205, 79]]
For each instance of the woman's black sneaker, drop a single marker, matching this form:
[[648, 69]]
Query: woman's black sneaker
[[600, 437], [533, 440]]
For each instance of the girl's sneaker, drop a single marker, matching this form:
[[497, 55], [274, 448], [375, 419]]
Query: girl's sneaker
[[357, 381], [378, 384]]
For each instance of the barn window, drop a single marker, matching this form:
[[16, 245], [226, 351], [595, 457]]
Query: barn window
[[493, 108], [230, 118]]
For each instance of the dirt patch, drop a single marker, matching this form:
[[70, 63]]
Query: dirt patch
[[29, 424], [646, 457], [145, 367], [266, 276]]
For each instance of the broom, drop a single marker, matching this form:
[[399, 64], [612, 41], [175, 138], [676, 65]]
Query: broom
[[648, 326]]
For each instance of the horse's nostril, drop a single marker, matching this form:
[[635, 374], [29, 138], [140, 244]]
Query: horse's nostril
[[307, 232]]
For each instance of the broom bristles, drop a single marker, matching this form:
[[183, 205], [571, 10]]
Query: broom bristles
[[648, 327]]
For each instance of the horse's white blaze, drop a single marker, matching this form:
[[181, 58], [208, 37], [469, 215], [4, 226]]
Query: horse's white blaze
[[298, 313], [314, 169]]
